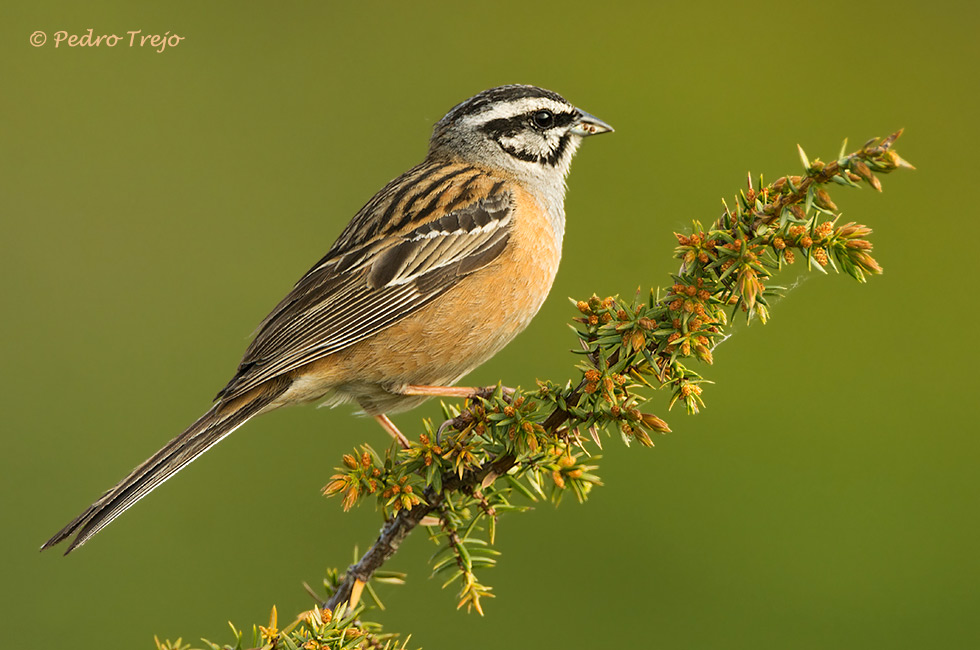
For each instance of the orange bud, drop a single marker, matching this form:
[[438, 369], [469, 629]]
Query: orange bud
[[655, 423], [867, 262], [852, 229], [823, 199], [350, 497], [557, 478], [862, 170], [642, 436], [338, 483], [638, 340], [704, 354]]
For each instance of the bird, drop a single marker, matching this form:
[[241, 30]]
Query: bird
[[440, 270]]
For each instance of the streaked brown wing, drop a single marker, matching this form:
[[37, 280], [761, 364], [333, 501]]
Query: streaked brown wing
[[364, 289]]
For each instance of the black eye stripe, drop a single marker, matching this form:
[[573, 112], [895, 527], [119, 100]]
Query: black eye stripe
[[566, 118], [553, 119], [562, 119], [505, 127]]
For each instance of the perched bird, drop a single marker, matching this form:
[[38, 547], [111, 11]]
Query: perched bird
[[438, 272]]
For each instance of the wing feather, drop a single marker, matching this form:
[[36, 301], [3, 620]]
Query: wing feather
[[368, 285]]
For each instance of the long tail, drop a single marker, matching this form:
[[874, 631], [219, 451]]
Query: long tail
[[210, 429]]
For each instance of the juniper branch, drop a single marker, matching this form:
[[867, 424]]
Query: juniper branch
[[788, 200], [397, 528]]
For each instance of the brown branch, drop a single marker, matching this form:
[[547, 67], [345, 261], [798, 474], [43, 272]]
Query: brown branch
[[392, 534]]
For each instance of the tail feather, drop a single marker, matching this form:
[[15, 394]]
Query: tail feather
[[210, 429]]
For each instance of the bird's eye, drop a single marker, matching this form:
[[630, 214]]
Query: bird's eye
[[543, 119]]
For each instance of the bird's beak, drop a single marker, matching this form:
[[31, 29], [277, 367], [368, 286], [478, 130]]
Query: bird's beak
[[590, 125]]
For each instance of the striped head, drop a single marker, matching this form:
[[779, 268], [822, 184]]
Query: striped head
[[525, 130]]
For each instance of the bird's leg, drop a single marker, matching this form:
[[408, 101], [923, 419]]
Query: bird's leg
[[392, 430], [452, 391], [439, 391]]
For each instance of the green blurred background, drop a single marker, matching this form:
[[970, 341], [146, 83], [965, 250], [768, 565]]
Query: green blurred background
[[156, 206]]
